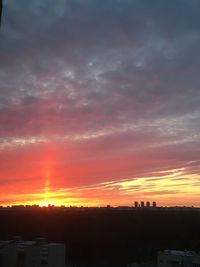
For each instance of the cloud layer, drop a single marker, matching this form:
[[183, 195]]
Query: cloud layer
[[95, 92]]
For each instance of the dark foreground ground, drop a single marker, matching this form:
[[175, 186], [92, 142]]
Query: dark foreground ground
[[106, 237]]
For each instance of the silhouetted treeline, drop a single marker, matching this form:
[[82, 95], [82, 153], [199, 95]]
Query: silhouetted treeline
[[106, 237]]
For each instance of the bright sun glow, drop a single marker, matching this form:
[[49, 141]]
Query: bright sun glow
[[44, 204]]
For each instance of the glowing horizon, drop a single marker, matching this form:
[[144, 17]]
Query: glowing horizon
[[157, 187]]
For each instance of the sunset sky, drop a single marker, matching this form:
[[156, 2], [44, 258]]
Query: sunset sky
[[100, 102]]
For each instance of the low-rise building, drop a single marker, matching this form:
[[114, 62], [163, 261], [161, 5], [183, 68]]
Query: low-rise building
[[175, 258], [39, 253]]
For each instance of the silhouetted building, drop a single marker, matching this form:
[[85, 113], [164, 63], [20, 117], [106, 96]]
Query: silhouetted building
[[142, 204], [136, 204], [17, 252], [174, 258], [154, 204], [148, 204]]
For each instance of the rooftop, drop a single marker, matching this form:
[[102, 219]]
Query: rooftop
[[180, 252]]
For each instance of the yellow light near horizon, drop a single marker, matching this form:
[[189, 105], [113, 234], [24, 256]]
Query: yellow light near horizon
[[44, 204]]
